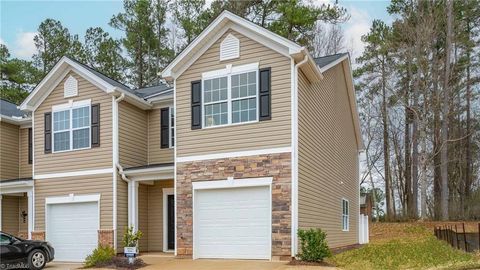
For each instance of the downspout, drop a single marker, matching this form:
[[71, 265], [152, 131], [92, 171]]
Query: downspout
[[115, 159], [294, 154]]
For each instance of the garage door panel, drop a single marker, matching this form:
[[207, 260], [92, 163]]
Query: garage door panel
[[233, 223], [72, 229]]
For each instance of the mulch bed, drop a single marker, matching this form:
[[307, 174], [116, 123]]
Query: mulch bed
[[121, 263], [298, 262]]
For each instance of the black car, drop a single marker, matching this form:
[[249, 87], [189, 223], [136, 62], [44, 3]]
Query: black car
[[19, 253]]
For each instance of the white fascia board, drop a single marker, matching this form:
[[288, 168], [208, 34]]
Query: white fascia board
[[72, 198], [293, 48], [231, 183], [334, 63], [15, 121], [73, 174], [149, 171], [133, 99]]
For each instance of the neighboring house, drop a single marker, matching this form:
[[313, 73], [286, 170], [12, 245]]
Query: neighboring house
[[366, 204], [254, 140]]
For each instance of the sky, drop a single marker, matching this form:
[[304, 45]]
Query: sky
[[20, 19]]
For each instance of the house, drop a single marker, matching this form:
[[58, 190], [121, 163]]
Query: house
[[366, 204], [251, 139]]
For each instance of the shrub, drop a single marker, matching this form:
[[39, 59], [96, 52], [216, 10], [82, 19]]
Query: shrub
[[100, 256], [314, 247], [130, 238]]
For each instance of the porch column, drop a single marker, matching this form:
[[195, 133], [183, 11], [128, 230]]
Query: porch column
[[0, 212], [133, 205], [30, 213]]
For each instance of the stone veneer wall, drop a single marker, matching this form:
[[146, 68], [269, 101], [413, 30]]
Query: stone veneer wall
[[277, 166]]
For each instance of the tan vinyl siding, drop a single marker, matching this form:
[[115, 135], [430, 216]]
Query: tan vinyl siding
[[25, 168], [132, 135], [328, 158], [9, 151], [240, 137], [155, 214], [143, 216], [122, 211], [23, 206], [10, 214], [78, 185], [156, 154], [78, 159]]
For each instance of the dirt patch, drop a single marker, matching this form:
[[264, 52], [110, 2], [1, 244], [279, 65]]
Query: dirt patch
[[304, 263]]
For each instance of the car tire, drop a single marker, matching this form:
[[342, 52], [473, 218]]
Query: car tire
[[37, 259]]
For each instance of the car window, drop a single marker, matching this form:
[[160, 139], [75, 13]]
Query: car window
[[4, 240]]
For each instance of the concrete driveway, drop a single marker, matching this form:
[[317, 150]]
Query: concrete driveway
[[168, 262]]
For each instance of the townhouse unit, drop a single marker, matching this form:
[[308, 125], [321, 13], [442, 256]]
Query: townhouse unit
[[249, 140]]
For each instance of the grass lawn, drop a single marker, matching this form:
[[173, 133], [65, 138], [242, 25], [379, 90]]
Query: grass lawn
[[405, 246]]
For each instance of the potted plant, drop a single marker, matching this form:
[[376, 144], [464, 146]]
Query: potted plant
[[130, 243]]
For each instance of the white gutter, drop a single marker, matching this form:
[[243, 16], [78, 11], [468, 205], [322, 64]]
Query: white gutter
[[294, 154], [115, 160]]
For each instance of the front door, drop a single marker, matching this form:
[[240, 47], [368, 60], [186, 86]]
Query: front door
[[171, 222]]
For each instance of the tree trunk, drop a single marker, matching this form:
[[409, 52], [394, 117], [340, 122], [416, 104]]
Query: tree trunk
[[468, 153], [386, 150], [407, 143], [446, 99]]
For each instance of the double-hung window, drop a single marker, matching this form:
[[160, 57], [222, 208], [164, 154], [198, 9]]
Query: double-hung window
[[71, 128], [230, 96], [345, 215]]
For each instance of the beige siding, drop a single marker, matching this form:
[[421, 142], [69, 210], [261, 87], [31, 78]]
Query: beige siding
[[328, 158], [25, 168], [80, 159], [143, 216], [79, 185], [155, 214], [10, 214], [9, 151], [132, 135], [23, 206], [122, 211], [155, 153], [240, 137]]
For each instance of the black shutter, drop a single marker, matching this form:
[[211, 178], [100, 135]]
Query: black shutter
[[197, 105], [164, 131], [48, 132], [95, 127], [30, 148], [265, 96]]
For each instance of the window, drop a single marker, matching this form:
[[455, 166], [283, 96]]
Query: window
[[345, 213], [5, 240], [71, 128], [171, 127], [231, 98]]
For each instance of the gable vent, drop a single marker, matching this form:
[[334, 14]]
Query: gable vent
[[70, 87], [229, 48]]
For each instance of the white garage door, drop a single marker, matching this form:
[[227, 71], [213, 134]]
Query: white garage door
[[232, 223], [72, 230]]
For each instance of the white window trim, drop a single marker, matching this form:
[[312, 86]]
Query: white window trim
[[347, 215], [70, 106], [170, 133], [166, 192], [228, 72]]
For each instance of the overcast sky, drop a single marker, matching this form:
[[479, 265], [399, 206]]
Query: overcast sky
[[19, 20]]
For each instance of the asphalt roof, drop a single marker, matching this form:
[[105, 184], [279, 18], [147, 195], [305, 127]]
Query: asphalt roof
[[9, 109], [325, 60], [142, 92]]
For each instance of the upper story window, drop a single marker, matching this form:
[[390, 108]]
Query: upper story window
[[71, 127], [230, 96], [167, 127], [345, 215]]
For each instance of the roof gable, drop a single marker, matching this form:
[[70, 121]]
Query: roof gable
[[62, 68], [225, 21]]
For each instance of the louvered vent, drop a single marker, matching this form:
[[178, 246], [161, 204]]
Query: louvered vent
[[70, 88], [229, 48]]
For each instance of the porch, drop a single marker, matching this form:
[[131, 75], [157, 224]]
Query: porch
[[16, 207], [151, 205]]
